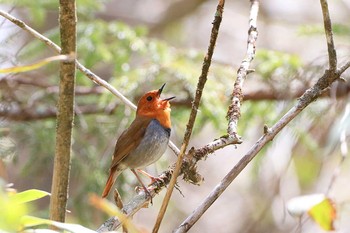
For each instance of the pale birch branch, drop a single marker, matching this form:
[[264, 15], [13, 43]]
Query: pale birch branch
[[234, 111]]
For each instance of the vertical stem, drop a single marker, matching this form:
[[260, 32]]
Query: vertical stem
[[65, 115], [332, 55], [200, 86]]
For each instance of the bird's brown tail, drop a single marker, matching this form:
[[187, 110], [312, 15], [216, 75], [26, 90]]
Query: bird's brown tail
[[110, 182]]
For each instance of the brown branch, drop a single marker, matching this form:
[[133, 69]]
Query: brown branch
[[332, 55], [31, 114], [65, 113], [335, 90], [200, 86]]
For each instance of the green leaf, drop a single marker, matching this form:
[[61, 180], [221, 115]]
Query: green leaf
[[27, 196]]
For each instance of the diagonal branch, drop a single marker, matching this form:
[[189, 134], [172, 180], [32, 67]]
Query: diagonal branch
[[200, 86], [329, 36], [79, 66]]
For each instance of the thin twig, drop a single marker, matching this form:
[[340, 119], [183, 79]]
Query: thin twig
[[119, 203], [83, 69], [234, 110], [332, 54], [343, 150], [200, 86]]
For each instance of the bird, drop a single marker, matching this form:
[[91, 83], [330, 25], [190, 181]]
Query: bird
[[144, 141]]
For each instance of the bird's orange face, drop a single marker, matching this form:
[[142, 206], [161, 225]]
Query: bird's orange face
[[151, 105]]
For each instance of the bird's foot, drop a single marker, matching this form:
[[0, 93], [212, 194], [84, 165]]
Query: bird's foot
[[153, 178]]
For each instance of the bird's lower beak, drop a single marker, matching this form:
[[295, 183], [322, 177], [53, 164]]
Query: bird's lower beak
[[170, 98]]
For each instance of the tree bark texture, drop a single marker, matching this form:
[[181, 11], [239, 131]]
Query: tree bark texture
[[65, 114]]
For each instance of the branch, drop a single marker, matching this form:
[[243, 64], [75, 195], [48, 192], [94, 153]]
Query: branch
[[65, 113], [200, 86], [234, 111], [332, 55], [83, 69], [31, 114]]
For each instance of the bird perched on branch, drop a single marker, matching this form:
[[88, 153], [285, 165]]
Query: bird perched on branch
[[146, 139]]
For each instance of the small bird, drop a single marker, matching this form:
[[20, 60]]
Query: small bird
[[146, 139]]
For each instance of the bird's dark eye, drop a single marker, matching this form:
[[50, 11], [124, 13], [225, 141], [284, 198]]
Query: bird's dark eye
[[149, 98]]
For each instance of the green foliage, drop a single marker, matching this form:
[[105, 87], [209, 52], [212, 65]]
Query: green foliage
[[318, 29], [274, 63], [10, 213], [15, 207]]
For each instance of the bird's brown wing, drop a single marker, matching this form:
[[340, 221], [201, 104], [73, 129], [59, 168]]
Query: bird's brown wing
[[130, 139]]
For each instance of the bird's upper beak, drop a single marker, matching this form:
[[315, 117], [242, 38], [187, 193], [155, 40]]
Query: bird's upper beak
[[160, 92]]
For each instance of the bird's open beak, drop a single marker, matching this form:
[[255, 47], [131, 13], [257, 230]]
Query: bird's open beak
[[160, 92]]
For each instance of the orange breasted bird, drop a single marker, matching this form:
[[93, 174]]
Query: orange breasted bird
[[146, 139]]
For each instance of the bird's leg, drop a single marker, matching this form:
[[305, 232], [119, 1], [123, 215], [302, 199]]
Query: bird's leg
[[143, 186], [153, 178]]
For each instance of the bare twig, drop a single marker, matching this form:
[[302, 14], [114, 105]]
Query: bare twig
[[83, 69], [234, 111], [343, 150], [237, 96], [201, 82], [119, 203], [332, 55]]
